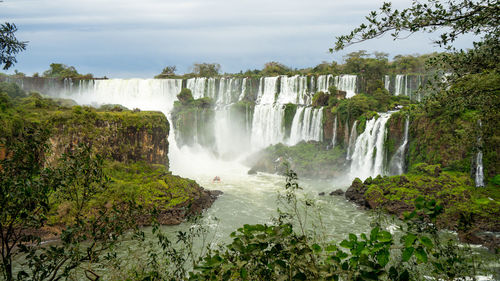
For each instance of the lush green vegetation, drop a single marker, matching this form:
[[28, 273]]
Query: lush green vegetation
[[80, 174], [59, 70], [287, 250], [309, 159], [465, 208], [9, 45]]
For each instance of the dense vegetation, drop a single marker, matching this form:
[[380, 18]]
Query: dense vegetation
[[291, 248], [82, 175]]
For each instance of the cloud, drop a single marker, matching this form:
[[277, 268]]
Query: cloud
[[138, 38]]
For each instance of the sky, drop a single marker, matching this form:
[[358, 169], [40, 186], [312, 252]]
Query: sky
[[137, 38]]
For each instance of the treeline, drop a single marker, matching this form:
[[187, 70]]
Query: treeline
[[360, 63], [56, 70]]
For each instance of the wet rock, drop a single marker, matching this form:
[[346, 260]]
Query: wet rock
[[355, 193], [252, 171], [338, 192], [321, 194]]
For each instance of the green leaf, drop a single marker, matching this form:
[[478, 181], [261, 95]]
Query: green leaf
[[426, 242], [346, 244], [331, 248], [316, 248], [385, 236], [374, 233], [409, 239], [243, 273], [407, 253], [353, 237], [383, 257], [421, 255]]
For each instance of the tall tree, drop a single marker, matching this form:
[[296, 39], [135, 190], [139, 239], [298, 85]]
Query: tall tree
[[9, 45], [454, 17]]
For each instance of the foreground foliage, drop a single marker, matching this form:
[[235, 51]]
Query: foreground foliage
[[287, 250]]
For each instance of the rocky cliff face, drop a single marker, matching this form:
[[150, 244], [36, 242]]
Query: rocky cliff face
[[121, 136]]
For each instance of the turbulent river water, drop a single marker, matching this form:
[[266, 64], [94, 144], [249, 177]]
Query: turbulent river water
[[253, 198], [246, 199]]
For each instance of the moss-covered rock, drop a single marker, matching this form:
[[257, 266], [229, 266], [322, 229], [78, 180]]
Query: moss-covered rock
[[119, 135], [455, 191]]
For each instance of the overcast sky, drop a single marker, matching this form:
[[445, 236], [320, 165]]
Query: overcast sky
[[137, 38]]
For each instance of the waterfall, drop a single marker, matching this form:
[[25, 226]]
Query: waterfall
[[399, 88], [479, 177], [211, 88], [368, 155], [479, 169], [387, 82], [267, 125], [293, 90], [334, 135], [306, 125], [146, 94], [267, 90], [197, 86], [243, 89], [351, 139], [397, 163], [324, 83], [346, 83]]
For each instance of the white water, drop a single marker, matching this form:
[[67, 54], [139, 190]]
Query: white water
[[351, 139], [398, 159], [197, 86], [387, 82], [479, 177], [306, 125], [400, 88], [246, 198], [267, 125], [479, 169], [294, 90], [346, 83], [368, 155], [334, 135]]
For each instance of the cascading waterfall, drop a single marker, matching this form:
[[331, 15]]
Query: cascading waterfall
[[306, 125], [368, 155], [387, 82], [293, 90], [147, 94], [352, 139], [479, 177], [197, 86], [479, 169], [334, 135], [267, 124], [243, 89], [397, 164], [346, 83], [262, 125], [324, 81], [399, 87]]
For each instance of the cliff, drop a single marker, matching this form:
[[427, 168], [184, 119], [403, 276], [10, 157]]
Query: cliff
[[122, 136], [133, 146]]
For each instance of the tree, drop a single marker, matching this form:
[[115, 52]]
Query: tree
[[167, 72], [456, 17], [60, 70], [206, 69], [24, 191], [9, 45], [274, 68]]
